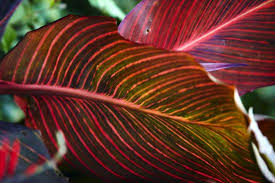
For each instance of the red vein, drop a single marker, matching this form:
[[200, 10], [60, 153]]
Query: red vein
[[34, 90], [189, 45]]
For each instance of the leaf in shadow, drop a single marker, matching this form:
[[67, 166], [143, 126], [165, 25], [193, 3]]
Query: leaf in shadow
[[22, 148]]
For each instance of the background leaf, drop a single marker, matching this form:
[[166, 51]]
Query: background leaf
[[9, 110], [30, 15], [114, 8], [31, 150], [212, 31], [108, 7], [128, 111], [6, 9]]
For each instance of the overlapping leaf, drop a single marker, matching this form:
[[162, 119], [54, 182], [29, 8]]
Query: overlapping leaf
[[20, 149], [7, 7], [129, 112], [219, 31]]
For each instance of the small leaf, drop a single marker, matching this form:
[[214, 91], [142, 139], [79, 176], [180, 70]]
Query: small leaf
[[22, 148]]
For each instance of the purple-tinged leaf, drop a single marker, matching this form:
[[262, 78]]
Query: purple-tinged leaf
[[213, 31], [129, 112], [7, 7], [217, 66], [20, 149]]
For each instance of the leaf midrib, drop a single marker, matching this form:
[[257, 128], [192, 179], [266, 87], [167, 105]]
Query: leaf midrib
[[46, 90]]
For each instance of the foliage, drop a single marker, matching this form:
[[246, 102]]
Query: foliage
[[115, 8], [121, 104], [111, 83], [237, 32], [30, 15]]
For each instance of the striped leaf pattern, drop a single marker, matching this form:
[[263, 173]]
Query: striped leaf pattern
[[213, 31], [7, 7], [129, 112]]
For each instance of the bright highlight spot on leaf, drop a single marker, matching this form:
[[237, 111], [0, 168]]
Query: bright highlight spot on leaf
[[263, 148]]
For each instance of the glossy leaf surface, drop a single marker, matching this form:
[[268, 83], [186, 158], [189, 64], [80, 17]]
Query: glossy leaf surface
[[219, 31], [20, 149], [7, 7], [129, 112]]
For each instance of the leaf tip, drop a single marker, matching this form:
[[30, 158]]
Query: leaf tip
[[238, 101]]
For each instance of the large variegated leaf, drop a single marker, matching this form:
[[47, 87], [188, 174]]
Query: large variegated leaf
[[217, 31], [129, 112], [7, 7]]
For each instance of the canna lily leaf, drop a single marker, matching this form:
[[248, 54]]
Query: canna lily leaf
[[7, 7], [21, 149], [219, 31], [129, 112]]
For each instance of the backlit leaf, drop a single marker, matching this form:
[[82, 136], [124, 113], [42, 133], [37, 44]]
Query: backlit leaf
[[214, 31], [129, 112]]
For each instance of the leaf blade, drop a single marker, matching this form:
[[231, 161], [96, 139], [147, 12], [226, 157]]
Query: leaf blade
[[212, 31], [129, 112]]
